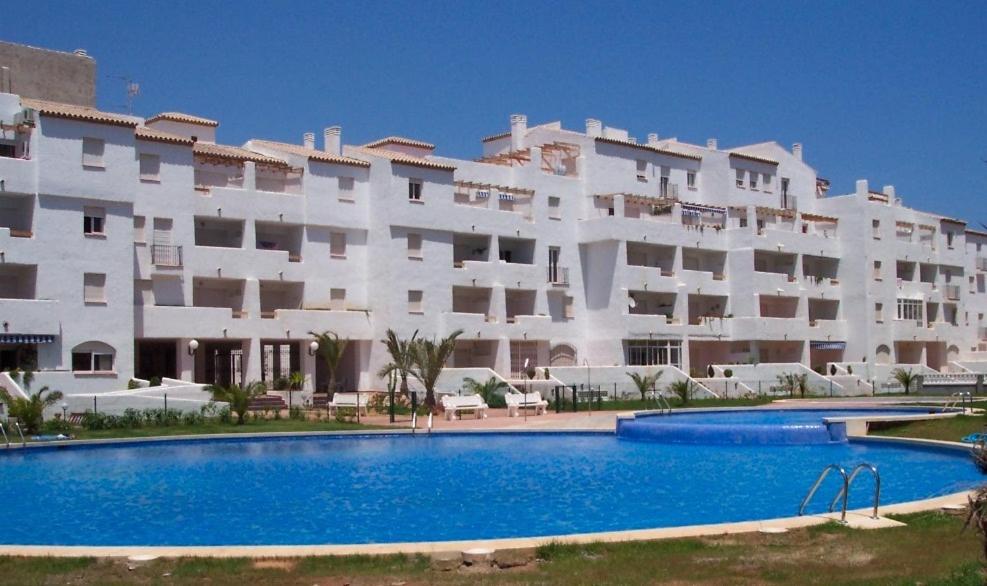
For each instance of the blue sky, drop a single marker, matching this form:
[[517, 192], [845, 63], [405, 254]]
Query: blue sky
[[892, 92]]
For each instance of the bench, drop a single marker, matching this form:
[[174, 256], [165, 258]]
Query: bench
[[454, 405], [518, 401], [355, 401]]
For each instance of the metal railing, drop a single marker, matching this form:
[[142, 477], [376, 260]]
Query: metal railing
[[166, 255], [5, 438], [819, 481], [843, 491], [20, 432], [558, 275]]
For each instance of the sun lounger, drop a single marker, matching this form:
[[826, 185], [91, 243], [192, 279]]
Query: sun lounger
[[348, 401]]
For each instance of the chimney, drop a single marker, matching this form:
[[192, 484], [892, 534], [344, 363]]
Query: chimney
[[653, 138], [711, 144], [333, 140], [519, 127], [594, 128], [81, 53], [309, 140], [797, 150], [862, 188], [889, 191]]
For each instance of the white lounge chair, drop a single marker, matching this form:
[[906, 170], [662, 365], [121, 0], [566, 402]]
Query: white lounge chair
[[518, 401], [454, 405], [348, 401]]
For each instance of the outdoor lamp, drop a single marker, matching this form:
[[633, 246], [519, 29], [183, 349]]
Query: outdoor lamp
[[193, 345], [313, 347], [65, 410]]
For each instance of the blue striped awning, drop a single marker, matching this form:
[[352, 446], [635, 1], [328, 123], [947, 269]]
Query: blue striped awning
[[821, 345], [26, 339]]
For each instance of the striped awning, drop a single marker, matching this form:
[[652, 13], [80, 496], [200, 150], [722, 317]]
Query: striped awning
[[26, 339], [826, 345]]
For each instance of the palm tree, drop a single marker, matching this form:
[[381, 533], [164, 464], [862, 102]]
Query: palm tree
[[487, 390], [238, 397], [682, 388], [402, 357], [30, 411], [905, 377], [296, 381], [331, 348], [429, 357], [645, 383]]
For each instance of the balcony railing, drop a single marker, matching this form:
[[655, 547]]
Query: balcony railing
[[164, 255], [558, 275], [952, 292]]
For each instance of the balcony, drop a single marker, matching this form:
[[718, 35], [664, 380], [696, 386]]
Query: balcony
[[952, 292], [280, 237], [219, 293], [218, 233], [651, 255], [167, 256], [16, 214], [981, 263], [469, 247], [18, 281], [279, 295]]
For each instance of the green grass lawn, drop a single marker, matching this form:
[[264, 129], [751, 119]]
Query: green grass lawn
[[211, 427], [822, 555], [947, 429]]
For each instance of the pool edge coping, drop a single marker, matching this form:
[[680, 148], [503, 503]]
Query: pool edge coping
[[431, 547]]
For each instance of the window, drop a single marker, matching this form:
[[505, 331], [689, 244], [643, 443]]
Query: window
[[949, 239], [139, 228], [654, 352], [93, 221], [94, 287], [91, 362], [554, 209], [740, 178], [337, 244], [663, 186], [766, 182], [346, 185], [876, 229], [7, 150], [753, 181], [150, 168], [910, 309], [642, 170], [784, 185], [879, 313], [337, 299], [92, 152], [877, 270], [610, 211], [415, 189], [415, 302], [414, 245], [690, 179]]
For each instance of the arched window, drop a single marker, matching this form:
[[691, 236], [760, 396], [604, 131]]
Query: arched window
[[93, 356], [562, 355], [883, 354]]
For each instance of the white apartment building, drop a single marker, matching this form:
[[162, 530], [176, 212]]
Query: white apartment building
[[134, 247]]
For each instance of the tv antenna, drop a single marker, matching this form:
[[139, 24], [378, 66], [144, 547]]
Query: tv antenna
[[132, 88]]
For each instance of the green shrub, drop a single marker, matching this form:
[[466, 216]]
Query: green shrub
[[296, 414], [728, 372], [133, 384], [55, 426], [281, 384], [155, 381]]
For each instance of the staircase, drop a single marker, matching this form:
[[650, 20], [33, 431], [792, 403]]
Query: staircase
[[267, 403]]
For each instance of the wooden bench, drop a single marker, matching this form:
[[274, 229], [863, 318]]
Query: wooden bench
[[454, 405], [518, 401], [356, 401]]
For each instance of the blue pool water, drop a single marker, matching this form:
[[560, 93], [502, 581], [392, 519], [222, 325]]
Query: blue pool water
[[749, 426], [334, 490]]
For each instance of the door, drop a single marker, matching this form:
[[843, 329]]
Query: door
[[553, 264]]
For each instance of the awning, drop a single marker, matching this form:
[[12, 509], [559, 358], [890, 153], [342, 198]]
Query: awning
[[26, 339], [825, 345]]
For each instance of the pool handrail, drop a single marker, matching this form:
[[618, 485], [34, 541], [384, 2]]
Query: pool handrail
[[20, 432], [822, 476], [5, 438], [853, 474]]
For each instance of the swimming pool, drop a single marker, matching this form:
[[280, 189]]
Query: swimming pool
[[752, 426], [390, 488]]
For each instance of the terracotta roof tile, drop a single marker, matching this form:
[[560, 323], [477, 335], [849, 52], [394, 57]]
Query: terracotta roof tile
[[750, 157], [496, 136], [647, 147], [312, 154], [145, 133], [83, 113], [183, 118], [235, 154], [401, 141], [403, 159]]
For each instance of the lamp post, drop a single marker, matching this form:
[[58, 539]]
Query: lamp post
[[588, 388], [65, 412], [313, 349]]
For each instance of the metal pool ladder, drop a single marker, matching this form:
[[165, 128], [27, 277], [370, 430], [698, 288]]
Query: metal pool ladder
[[844, 491], [5, 438], [663, 405], [17, 424]]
